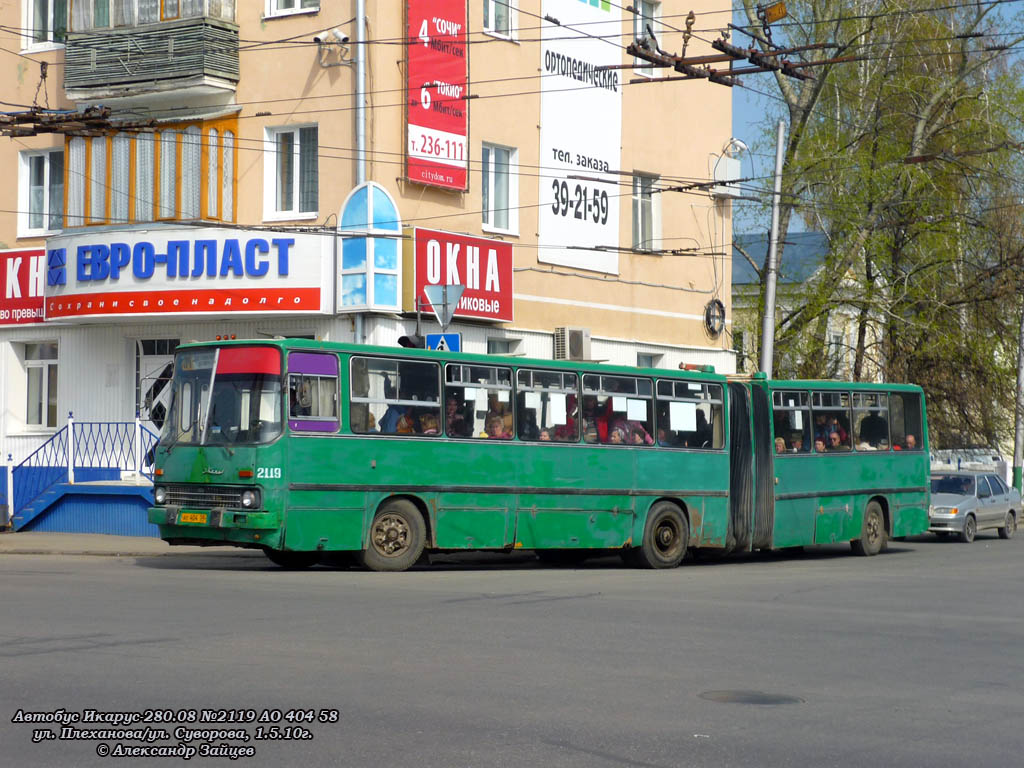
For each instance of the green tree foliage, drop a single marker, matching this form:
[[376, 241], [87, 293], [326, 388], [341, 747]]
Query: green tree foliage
[[904, 151]]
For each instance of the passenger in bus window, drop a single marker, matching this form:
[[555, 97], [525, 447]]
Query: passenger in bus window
[[528, 429], [797, 443], [428, 423], [911, 442], [616, 436], [873, 428], [835, 443], [566, 433], [590, 434], [496, 428], [458, 426], [545, 436], [704, 432], [834, 425], [819, 445], [499, 408], [780, 445]]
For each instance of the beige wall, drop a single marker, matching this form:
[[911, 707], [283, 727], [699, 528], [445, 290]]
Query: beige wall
[[669, 128]]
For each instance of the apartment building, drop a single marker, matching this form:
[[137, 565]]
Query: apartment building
[[183, 169]]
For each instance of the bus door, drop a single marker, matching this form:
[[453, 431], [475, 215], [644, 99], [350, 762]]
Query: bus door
[[795, 469], [741, 476]]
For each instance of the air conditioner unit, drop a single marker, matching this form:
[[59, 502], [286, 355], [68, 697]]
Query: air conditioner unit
[[572, 344]]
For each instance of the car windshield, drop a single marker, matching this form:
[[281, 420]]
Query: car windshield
[[961, 485], [216, 400]]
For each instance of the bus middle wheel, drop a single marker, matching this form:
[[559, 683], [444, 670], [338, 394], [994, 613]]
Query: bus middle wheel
[[666, 537], [397, 537]]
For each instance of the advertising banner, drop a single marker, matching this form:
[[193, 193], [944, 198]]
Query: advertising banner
[[483, 266], [22, 276], [580, 134], [437, 74], [188, 270]]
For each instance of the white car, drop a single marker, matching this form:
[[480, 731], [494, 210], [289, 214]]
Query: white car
[[967, 502]]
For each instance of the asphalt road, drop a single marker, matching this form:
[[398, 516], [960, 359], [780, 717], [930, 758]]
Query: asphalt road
[[911, 658]]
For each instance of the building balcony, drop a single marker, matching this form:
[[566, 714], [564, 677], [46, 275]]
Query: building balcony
[[199, 55]]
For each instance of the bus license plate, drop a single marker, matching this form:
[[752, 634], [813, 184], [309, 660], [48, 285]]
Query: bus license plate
[[193, 517]]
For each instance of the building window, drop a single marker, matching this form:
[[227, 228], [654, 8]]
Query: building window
[[645, 16], [647, 360], [291, 173], [41, 384], [284, 7], [370, 230], [836, 354], [103, 14], [646, 213], [499, 189], [41, 207], [498, 16], [48, 21], [501, 346], [176, 175]]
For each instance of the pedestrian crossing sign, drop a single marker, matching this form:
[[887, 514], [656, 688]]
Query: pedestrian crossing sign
[[445, 342]]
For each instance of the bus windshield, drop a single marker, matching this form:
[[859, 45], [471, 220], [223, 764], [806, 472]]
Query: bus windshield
[[226, 398]]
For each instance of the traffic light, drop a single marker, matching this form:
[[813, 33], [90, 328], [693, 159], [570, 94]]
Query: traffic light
[[412, 341]]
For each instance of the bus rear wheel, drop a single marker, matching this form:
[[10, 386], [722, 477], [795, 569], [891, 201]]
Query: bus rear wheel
[[397, 537], [666, 536], [292, 561], [872, 534]]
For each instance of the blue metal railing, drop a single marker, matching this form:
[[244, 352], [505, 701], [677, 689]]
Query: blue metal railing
[[96, 450], [43, 468]]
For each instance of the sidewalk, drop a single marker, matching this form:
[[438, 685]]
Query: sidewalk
[[36, 543]]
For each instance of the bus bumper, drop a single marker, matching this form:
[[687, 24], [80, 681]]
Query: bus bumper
[[214, 518]]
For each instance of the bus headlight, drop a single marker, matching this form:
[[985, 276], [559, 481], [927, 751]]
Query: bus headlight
[[250, 499], [159, 494]]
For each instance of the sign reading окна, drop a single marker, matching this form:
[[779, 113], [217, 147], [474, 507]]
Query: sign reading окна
[[483, 266]]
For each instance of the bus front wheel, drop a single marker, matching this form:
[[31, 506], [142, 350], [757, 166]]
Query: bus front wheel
[[872, 534], [666, 537], [397, 537]]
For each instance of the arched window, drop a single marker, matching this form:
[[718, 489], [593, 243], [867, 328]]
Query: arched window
[[371, 233]]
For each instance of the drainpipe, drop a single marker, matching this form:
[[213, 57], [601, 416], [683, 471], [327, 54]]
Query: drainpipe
[[360, 331], [360, 91]]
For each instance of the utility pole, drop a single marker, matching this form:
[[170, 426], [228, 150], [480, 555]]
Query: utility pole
[[768, 325], [1018, 436]]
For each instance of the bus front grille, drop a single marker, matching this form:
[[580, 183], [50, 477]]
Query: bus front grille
[[203, 496]]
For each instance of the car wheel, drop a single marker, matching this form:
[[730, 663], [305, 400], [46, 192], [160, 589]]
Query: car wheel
[[666, 537], [1007, 531], [397, 537], [872, 532], [970, 528]]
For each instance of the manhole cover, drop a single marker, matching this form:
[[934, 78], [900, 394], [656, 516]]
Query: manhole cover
[[750, 697]]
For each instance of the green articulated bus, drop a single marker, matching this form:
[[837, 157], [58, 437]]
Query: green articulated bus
[[321, 452]]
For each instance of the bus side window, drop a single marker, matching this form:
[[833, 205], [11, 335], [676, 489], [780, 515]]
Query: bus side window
[[618, 410], [791, 420], [478, 402], [400, 397], [906, 420], [871, 421], [547, 406], [690, 415]]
